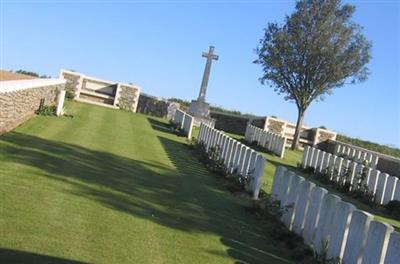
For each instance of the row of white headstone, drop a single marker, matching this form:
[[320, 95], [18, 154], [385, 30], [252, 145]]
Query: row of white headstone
[[184, 121], [356, 154], [238, 158], [272, 142], [332, 226], [384, 187]]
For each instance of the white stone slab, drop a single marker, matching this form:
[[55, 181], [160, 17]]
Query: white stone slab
[[256, 180], [279, 172], [288, 215], [244, 161], [325, 162], [377, 243], [238, 157], [325, 222], [285, 186], [306, 152], [338, 232], [357, 236], [320, 159], [338, 168], [313, 214], [60, 103], [317, 153], [397, 192], [302, 203], [393, 249], [391, 184], [373, 181], [381, 187]]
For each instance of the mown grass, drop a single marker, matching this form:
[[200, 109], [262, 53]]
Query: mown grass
[[108, 186]]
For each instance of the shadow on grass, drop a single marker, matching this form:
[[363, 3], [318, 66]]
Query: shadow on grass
[[159, 126], [185, 198], [11, 256]]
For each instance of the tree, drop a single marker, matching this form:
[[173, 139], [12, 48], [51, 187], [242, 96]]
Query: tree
[[316, 50]]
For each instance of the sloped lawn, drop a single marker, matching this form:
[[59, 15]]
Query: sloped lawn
[[108, 186]]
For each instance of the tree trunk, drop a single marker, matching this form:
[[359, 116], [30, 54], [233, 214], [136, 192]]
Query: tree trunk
[[299, 125]]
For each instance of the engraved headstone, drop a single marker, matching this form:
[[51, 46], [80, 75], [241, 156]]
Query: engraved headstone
[[357, 236], [377, 242]]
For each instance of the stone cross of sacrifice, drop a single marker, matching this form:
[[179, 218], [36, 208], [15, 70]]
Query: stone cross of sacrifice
[[210, 56]]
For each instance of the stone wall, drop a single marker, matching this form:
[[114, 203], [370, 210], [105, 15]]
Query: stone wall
[[150, 105], [19, 104], [229, 123], [127, 99], [72, 82]]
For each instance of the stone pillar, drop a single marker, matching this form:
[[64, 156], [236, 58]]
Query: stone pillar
[[60, 103]]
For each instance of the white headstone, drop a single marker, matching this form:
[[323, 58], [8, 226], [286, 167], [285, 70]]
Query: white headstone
[[313, 214], [314, 162], [373, 181], [279, 172], [244, 161], [381, 187], [338, 169], [377, 242], [306, 153], [284, 187], [393, 250], [256, 180], [391, 184], [239, 155], [338, 232], [290, 202], [325, 222], [357, 236], [397, 192], [320, 159], [302, 203]]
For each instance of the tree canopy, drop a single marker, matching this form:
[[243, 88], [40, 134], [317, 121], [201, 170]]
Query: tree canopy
[[317, 49]]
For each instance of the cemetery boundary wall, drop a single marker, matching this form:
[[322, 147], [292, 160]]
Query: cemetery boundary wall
[[238, 158], [331, 225], [384, 187], [268, 140], [150, 105], [19, 99], [184, 121]]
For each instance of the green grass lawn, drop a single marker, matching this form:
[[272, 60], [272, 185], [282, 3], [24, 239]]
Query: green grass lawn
[[108, 186]]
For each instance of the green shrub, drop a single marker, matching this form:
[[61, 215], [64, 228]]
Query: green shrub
[[46, 110], [393, 209], [69, 95]]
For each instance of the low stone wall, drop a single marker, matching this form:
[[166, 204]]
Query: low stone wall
[[229, 123], [20, 99], [153, 106], [128, 98]]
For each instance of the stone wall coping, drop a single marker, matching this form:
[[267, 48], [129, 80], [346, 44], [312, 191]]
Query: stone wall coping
[[16, 85]]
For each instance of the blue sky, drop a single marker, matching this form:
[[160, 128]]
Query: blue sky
[[158, 45]]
